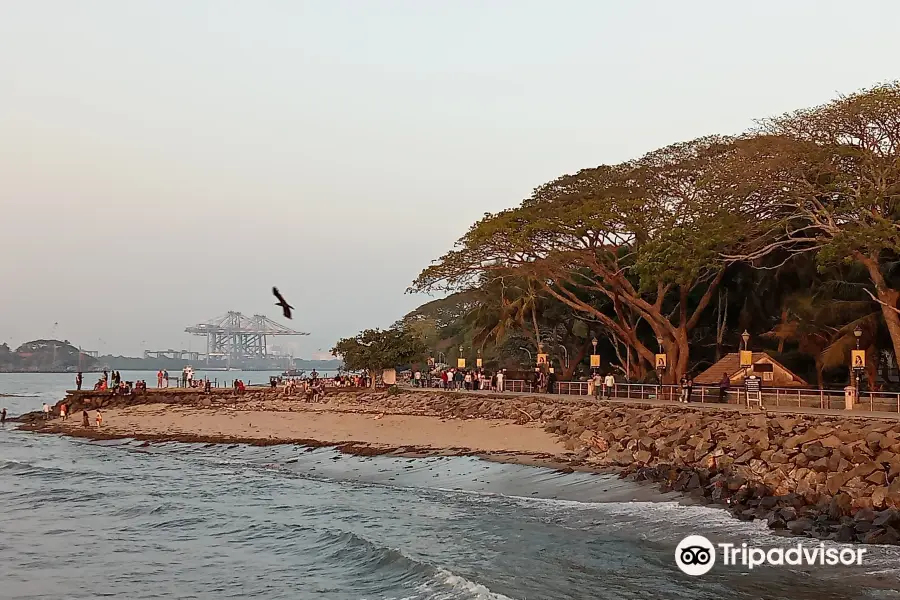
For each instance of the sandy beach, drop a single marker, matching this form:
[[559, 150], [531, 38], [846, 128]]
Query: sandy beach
[[317, 423]]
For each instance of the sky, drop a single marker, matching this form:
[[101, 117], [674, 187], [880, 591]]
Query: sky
[[165, 161]]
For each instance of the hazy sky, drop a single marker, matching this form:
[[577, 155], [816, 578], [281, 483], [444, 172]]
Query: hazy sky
[[165, 161]]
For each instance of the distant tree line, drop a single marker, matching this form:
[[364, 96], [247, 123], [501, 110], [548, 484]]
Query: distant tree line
[[43, 355], [790, 231]]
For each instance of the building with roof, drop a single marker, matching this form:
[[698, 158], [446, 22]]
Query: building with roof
[[770, 371]]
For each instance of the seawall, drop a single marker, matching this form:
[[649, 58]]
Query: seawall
[[830, 477]]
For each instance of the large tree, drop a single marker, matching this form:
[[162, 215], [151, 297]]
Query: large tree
[[645, 236], [828, 179], [375, 349]]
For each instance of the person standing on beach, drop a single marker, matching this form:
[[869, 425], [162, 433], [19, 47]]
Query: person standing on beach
[[3, 417], [165, 378], [85, 419], [99, 418], [159, 378], [62, 411], [46, 410], [78, 379], [500, 377]]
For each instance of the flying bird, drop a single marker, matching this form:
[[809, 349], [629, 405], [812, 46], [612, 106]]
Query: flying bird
[[282, 303]]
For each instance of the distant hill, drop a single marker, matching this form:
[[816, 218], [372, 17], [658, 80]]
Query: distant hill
[[44, 356]]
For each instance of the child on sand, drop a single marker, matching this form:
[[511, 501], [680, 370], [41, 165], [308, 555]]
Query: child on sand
[[99, 418], [62, 411]]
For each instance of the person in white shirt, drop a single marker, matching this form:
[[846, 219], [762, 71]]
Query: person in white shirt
[[417, 379], [46, 410], [609, 383], [597, 381], [500, 378]]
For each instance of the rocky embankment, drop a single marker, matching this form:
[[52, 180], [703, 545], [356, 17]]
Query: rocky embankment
[[827, 477]]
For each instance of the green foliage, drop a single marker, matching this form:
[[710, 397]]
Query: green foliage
[[377, 349], [638, 251]]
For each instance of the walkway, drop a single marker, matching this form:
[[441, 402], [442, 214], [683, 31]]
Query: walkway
[[828, 412]]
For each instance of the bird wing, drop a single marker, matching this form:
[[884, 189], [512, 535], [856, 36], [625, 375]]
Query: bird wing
[[277, 294]]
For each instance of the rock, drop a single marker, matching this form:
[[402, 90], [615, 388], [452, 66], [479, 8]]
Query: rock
[[878, 478], [831, 441], [643, 456], [864, 470], [839, 506], [776, 521], [816, 451], [206, 402], [887, 518], [836, 481], [747, 514], [845, 534], [800, 526], [768, 502]]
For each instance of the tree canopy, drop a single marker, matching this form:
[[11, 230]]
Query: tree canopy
[[791, 230], [375, 349]]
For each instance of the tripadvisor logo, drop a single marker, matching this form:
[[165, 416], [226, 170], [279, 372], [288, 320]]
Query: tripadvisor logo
[[695, 555]]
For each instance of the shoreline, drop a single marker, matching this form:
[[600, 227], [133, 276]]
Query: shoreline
[[825, 477], [349, 447]]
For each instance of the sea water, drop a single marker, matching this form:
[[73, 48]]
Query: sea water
[[123, 519]]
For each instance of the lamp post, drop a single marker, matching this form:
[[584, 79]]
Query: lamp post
[[530, 359], [857, 333], [594, 344], [659, 368]]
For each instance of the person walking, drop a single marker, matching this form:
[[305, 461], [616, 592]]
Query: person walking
[[609, 383], [79, 378], [597, 384]]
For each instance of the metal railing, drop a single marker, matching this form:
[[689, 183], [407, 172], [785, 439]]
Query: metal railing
[[776, 397]]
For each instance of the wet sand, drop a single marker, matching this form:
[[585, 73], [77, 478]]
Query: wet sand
[[375, 430]]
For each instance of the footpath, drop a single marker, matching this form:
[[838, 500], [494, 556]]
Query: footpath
[[703, 406]]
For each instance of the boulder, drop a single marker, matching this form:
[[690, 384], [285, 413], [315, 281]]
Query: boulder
[[845, 534], [800, 526], [887, 518], [839, 506], [816, 451]]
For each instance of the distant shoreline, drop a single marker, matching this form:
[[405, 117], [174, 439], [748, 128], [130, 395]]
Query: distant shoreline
[[146, 370]]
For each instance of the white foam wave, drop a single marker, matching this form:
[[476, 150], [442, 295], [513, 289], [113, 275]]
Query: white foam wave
[[450, 586]]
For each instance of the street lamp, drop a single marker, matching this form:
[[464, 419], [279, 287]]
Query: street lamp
[[530, 360], [746, 337], [857, 332], [594, 344], [659, 341]]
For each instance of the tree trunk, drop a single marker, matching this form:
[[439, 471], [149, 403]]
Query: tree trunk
[[784, 318], [567, 372], [372, 378], [888, 298]]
